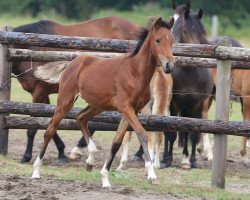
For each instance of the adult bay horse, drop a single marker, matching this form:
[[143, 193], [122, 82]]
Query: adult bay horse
[[191, 88], [120, 83], [109, 27]]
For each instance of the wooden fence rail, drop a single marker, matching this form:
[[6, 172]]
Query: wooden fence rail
[[50, 56], [150, 122], [111, 45]]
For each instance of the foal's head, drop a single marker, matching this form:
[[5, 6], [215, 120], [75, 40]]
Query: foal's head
[[189, 29], [160, 41]]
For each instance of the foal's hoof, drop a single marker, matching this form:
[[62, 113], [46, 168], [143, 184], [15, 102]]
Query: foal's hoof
[[152, 181], [89, 167], [185, 166], [123, 166], [25, 159], [137, 159], [246, 164]]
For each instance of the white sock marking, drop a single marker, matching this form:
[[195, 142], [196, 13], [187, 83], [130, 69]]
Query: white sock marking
[[36, 166], [92, 150], [151, 172], [105, 178]]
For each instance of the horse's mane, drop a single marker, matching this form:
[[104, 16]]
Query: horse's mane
[[42, 27], [143, 35], [192, 21]]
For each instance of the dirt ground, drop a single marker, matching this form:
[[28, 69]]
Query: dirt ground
[[22, 187]]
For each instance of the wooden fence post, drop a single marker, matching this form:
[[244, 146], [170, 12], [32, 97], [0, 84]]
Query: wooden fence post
[[223, 81], [5, 84]]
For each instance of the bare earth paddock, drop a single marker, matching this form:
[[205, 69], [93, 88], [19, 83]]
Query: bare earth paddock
[[68, 182]]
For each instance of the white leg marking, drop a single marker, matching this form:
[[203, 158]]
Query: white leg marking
[[78, 150], [36, 168], [92, 150], [105, 178], [207, 147], [151, 172]]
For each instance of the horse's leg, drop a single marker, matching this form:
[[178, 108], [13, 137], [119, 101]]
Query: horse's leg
[[170, 138], [122, 128], [185, 163], [82, 119], [64, 104], [30, 141], [138, 155], [159, 138], [204, 147], [77, 151], [195, 136], [246, 116], [124, 158], [129, 113]]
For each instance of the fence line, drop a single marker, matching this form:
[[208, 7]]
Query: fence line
[[51, 56], [121, 46]]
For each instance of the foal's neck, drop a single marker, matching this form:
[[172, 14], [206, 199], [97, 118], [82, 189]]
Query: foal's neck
[[145, 62]]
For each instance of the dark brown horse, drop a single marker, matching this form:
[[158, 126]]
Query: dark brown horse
[[191, 87], [109, 27], [120, 83]]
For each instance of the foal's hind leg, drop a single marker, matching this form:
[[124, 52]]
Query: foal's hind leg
[[63, 107], [82, 118], [123, 125]]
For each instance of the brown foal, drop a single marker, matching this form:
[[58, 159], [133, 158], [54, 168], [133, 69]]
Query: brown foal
[[120, 83]]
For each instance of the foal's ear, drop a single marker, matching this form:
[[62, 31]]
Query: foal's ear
[[158, 23], [171, 23], [174, 5], [200, 13]]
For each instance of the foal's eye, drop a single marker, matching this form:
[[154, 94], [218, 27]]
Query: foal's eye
[[157, 41]]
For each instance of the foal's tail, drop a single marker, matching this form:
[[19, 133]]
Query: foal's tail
[[51, 72]]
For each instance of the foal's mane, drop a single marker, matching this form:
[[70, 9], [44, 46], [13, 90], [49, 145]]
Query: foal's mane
[[143, 35], [42, 27]]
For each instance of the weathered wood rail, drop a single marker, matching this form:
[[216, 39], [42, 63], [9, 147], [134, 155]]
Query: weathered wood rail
[[122, 46], [50, 56], [150, 122]]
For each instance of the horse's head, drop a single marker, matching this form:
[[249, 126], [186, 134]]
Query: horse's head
[[161, 42], [189, 29], [180, 10]]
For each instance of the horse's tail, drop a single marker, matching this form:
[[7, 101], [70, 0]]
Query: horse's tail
[[51, 72]]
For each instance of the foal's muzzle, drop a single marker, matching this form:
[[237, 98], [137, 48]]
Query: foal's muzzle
[[169, 67]]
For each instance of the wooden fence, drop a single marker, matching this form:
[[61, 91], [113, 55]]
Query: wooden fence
[[195, 55]]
